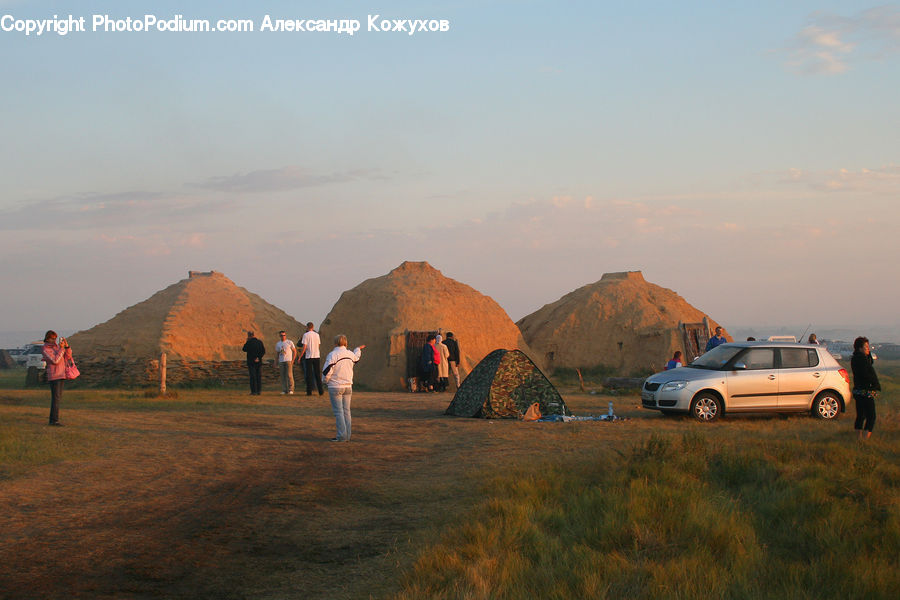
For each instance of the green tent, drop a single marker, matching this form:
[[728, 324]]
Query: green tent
[[503, 385]]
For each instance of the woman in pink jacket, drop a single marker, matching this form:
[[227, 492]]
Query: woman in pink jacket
[[55, 355]]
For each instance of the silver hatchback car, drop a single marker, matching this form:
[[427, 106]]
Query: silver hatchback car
[[752, 377]]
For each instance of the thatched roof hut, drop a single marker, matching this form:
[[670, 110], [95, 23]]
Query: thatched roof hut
[[203, 318], [392, 313], [621, 321]]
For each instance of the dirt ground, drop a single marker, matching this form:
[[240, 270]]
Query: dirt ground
[[251, 500]]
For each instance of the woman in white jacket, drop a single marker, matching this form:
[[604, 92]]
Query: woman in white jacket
[[338, 376], [444, 365]]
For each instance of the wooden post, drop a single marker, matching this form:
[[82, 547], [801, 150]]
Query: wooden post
[[162, 374], [580, 379]]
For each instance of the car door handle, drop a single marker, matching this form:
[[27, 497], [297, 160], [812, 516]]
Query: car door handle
[[817, 374], [771, 378]]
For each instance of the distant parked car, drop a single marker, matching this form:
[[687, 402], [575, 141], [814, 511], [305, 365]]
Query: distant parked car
[[25, 356], [35, 360], [746, 377]]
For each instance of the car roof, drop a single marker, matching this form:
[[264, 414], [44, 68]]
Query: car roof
[[773, 344]]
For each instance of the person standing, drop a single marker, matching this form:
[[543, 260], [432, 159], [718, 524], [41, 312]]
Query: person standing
[[453, 347], [427, 366], [338, 371], [286, 352], [310, 352], [675, 362], [443, 365], [255, 351], [865, 387], [716, 340], [813, 339], [55, 356]]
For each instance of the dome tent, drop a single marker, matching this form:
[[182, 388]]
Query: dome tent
[[503, 385]]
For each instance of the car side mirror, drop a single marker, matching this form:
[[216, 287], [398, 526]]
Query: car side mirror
[[739, 366]]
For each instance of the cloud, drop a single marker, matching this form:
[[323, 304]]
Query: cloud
[[817, 51], [712, 250], [148, 208], [154, 244], [196, 240], [134, 209], [144, 209], [284, 179], [830, 43], [880, 180]]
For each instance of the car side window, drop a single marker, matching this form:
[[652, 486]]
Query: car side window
[[758, 358], [796, 358], [813, 358]]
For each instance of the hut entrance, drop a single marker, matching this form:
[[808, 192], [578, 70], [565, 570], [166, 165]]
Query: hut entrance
[[415, 341], [694, 337]]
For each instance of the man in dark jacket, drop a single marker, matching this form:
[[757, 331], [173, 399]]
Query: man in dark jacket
[[255, 351], [453, 347], [865, 387]]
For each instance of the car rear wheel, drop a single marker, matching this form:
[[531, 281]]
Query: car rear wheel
[[826, 406], [706, 407]]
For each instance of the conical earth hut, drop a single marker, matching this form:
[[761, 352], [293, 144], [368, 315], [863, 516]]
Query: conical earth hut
[[622, 322], [393, 313], [202, 318]]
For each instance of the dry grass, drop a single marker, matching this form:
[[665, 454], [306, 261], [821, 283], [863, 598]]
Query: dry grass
[[219, 494]]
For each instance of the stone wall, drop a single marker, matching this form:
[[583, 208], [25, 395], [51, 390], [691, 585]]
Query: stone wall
[[144, 373]]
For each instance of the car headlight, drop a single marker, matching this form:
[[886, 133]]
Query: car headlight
[[674, 386]]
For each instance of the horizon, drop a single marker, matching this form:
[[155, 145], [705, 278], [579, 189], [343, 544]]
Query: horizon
[[740, 156], [878, 333]]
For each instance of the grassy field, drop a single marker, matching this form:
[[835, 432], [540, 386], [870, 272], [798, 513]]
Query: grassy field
[[218, 494]]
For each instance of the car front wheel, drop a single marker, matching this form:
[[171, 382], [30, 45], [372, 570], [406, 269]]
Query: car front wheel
[[706, 407], [826, 406]]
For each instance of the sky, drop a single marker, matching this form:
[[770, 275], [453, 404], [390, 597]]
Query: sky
[[744, 155]]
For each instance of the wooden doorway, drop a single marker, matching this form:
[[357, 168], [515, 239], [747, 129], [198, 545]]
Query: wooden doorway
[[415, 341], [694, 337]]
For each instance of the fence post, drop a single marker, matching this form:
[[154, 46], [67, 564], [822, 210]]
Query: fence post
[[162, 374]]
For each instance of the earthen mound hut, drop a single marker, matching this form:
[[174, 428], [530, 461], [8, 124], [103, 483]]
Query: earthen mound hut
[[6, 360], [413, 299], [202, 318], [622, 322]]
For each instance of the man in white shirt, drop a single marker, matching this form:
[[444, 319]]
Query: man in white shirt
[[310, 352], [286, 352]]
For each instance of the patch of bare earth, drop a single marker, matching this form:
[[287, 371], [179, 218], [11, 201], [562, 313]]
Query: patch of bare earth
[[251, 500]]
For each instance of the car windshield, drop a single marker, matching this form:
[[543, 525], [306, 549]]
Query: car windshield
[[716, 358]]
